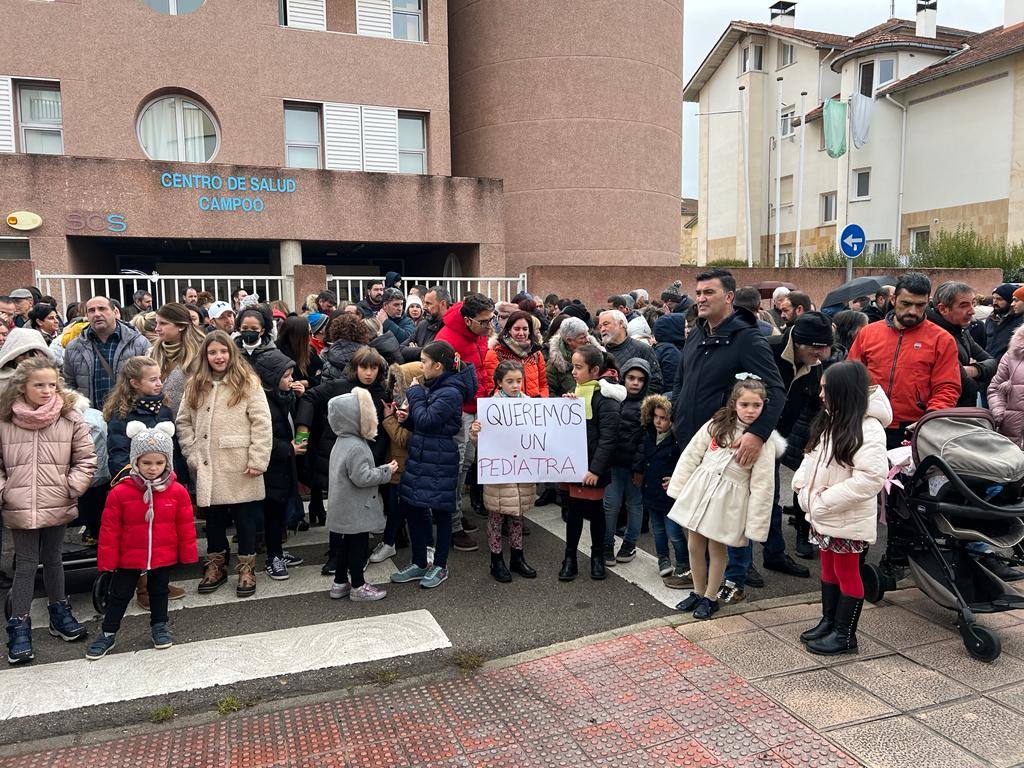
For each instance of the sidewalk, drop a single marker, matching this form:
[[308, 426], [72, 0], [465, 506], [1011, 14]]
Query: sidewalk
[[735, 691]]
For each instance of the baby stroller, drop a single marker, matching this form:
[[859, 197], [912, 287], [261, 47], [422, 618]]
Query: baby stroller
[[966, 486], [76, 557]]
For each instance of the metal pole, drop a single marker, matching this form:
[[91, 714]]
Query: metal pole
[[778, 167], [800, 178], [849, 170], [746, 177]]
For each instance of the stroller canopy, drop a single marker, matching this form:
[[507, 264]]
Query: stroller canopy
[[966, 439]]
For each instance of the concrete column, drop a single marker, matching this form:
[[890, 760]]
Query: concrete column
[[291, 257], [307, 279]]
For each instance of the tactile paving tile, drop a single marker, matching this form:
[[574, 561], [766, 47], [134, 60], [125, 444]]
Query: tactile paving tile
[[682, 753], [650, 728], [813, 752], [604, 739]]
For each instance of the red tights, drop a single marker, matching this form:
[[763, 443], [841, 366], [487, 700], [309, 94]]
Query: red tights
[[843, 569]]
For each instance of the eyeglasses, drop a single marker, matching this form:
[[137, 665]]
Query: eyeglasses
[[482, 322]]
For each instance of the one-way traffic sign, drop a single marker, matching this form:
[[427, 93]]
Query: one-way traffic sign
[[852, 241]]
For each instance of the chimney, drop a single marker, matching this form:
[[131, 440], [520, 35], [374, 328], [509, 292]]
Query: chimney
[[927, 17], [784, 13], [1013, 13]]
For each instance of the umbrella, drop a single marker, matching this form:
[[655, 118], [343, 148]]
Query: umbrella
[[859, 286]]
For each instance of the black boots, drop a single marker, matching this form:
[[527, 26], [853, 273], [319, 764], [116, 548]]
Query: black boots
[[569, 568], [803, 549], [597, 571], [498, 569], [518, 564], [829, 600], [843, 637]]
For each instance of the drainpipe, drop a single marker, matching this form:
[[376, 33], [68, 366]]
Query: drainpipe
[[903, 146], [800, 176]]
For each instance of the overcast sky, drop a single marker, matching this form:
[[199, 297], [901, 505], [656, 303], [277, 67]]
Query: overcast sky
[[704, 21]]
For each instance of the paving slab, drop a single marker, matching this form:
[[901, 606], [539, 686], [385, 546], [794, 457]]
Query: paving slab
[[867, 646], [758, 654], [950, 658], [903, 683], [897, 742], [900, 629], [985, 727], [707, 630], [824, 700], [1012, 697]]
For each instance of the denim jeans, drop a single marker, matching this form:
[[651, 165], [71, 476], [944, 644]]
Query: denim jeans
[[666, 530], [467, 455], [740, 559], [621, 487]]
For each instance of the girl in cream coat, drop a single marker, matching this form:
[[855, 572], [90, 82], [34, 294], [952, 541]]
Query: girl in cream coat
[[719, 502], [837, 484]]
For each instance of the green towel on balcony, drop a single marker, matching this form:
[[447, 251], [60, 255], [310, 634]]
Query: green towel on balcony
[[835, 127]]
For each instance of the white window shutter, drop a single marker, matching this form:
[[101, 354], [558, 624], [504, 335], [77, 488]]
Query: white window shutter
[[6, 115], [380, 139], [373, 18], [343, 137], [307, 14]]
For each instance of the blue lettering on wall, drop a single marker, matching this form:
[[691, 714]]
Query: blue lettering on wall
[[203, 181], [116, 222]]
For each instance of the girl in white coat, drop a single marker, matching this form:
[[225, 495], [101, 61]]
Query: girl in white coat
[[720, 503], [836, 484]]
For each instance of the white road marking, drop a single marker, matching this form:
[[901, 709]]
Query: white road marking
[[302, 580], [67, 685], [641, 572]]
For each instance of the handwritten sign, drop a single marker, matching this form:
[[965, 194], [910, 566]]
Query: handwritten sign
[[531, 440]]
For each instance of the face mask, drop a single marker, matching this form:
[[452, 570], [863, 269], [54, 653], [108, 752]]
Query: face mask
[[250, 338]]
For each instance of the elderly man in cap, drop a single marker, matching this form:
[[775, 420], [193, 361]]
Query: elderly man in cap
[[23, 302], [1003, 321]]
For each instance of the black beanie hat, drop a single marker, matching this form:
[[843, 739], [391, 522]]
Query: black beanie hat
[[813, 328], [1005, 291], [577, 310]]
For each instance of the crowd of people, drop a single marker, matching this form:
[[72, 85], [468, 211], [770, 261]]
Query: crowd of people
[[134, 421]]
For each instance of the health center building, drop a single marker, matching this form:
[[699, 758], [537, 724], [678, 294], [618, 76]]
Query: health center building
[[467, 137]]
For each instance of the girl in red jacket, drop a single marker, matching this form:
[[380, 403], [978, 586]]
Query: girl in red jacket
[[147, 526]]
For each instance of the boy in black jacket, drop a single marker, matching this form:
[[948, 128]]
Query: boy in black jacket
[[655, 461]]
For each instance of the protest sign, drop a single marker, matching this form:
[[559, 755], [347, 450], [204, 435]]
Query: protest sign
[[531, 440]]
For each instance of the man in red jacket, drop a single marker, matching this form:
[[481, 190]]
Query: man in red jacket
[[466, 327], [912, 359]]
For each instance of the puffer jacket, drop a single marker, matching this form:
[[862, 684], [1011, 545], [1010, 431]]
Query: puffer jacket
[[44, 471], [559, 366], [397, 434], [603, 428], [471, 348], [219, 441], [657, 460], [1006, 391], [336, 357], [513, 499], [80, 357], [431, 475], [128, 540], [669, 337], [839, 500], [803, 400], [353, 502], [280, 480], [535, 375], [630, 430]]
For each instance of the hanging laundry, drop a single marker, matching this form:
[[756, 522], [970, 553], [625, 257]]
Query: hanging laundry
[[860, 119], [834, 116]]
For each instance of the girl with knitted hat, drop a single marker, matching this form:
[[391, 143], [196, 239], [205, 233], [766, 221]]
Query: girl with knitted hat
[[147, 526]]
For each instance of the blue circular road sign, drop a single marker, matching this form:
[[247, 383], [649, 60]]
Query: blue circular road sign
[[852, 241]]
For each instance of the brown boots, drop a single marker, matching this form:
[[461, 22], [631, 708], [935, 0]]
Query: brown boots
[[215, 572], [142, 594], [246, 576]]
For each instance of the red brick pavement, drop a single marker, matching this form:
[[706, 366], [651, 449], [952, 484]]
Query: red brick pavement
[[650, 700]]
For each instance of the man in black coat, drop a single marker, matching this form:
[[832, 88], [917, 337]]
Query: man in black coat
[[725, 342], [799, 353], [1003, 321], [612, 327], [952, 311]]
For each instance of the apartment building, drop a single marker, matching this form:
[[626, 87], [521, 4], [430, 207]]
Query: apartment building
[[944, 148], [255, 135]]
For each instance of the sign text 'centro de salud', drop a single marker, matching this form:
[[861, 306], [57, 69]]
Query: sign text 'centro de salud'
[[228, 193]]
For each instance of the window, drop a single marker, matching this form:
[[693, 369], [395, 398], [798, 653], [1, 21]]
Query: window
[[828, 208], [862, 184], [40, 122], [786, 126], [412, 143], [407, 19], [174, 7], [919, 238], [867, 78], [14, 248], [302, 136], [178, 128], [878, 247], [886, 71], [821, 135], [787, 54], [753, 59]]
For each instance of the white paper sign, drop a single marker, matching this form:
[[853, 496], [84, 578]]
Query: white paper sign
[[531, 440]]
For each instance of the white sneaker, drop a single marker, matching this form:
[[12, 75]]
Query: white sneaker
[[339, 591], [383, 552], [367, 594]]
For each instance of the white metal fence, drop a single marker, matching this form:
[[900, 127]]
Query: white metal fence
[[353, 288], [164, 288]]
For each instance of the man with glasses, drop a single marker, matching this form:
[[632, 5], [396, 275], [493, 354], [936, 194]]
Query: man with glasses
[[466, 327]]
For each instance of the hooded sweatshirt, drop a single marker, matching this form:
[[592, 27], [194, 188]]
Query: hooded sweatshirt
[[280, 477], [669, 335], [470, 347], [630, 429], [19, 341]]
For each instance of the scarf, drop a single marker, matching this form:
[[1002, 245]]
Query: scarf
[[150, 403], [520, 350], [25, 416], [659, 436], [170, 353], [586, 393], [499, 392], [162, 483]]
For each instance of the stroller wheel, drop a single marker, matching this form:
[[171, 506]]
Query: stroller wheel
[[980, 641], [874, 582], [100, 587]]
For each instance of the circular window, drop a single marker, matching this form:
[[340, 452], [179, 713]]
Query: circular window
[[174, 7], [178, 128]]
